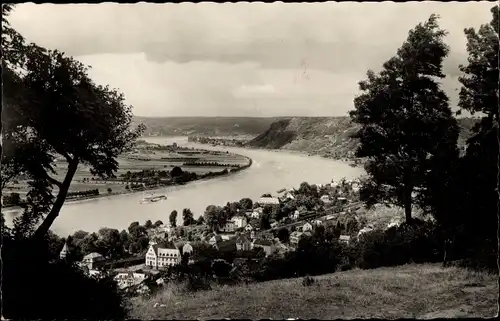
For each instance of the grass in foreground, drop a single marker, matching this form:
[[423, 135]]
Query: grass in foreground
[[410, 291]]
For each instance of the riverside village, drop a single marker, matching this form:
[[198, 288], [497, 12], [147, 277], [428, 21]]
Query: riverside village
[[250, 160], [254, 229]]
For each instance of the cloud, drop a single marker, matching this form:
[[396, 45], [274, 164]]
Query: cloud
[[212, 59], [251, 90]]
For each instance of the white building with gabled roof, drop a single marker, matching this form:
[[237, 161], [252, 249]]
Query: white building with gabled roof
[[240, 221], [162, 255], [92, 260]]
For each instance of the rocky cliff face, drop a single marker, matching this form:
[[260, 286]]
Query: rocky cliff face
[[325, 136]]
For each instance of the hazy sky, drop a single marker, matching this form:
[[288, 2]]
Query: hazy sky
[[243, 59]]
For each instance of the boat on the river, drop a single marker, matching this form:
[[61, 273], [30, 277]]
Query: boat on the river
[[153, 198]]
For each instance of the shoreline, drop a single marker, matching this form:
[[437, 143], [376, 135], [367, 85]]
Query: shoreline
[[250, 161], [292, 151], [93, 197]]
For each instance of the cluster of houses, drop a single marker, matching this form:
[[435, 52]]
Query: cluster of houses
[[241, 233]]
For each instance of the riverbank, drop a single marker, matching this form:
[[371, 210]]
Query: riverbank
[[148, 189], [269, 172], [353, 161]]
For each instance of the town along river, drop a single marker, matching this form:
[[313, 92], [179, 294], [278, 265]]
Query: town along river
[[270, 172]]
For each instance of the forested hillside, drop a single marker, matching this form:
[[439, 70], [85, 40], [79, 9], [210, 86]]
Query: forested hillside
[[328, 136], [204, 126]]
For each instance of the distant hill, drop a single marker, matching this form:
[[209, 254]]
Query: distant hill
[[326, 136], [205, 126]]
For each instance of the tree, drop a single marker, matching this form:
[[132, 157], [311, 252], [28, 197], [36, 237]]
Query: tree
[[221, 268], [188, 217], [148, 224], [173, 218], [134, 247], [78, 236], [472, 184], [89, 244], [405, 119], [200, 220], [109, 190], [136, 230], [211, 217], [267, 210], [132, 226], [284, 235], [13, 199], [479, 92], [265, 221], [307, 189], [125, 240], [53, 109], [233, 209], [176, 172], [246, 203], [158, 223], [55, 244], [109, 242]]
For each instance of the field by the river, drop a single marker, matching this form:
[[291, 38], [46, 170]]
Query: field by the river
[[412, 291], [135, 162]]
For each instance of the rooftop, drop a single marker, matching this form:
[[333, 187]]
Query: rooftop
[[263, 242], [92, 255], [164, 246]]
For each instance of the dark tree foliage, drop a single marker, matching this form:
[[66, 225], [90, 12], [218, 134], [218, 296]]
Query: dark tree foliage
[[265, 221], [283, 235], [200, 220], [246, 203], [214, 217], [176, 171], [464, 200], [42, 287], [187, 217], [173, 218], [148, 224], [406, 123], [51, 110]]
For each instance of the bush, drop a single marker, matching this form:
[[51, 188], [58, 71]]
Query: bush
[[398, 245], [308, 281], [35, 288], [13, 199], [90, 192]]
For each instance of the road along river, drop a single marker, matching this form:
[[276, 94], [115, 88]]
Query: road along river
[[270, 171]]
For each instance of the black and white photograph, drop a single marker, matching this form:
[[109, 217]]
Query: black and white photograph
[[250, 160]]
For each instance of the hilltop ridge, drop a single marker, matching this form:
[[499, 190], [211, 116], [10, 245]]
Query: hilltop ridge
[[204, 126], [325, 136]]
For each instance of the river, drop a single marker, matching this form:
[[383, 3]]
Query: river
[[270, 171]]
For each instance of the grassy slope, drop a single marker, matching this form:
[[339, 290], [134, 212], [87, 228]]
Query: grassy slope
[[411, 291]]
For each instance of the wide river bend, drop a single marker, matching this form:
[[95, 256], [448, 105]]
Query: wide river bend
[[270, 171]]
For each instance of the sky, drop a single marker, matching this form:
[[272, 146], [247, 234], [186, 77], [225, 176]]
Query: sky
[[242, 59]]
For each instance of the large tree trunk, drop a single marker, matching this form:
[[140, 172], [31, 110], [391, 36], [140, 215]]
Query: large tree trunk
[[61, 197], [407, 204]]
